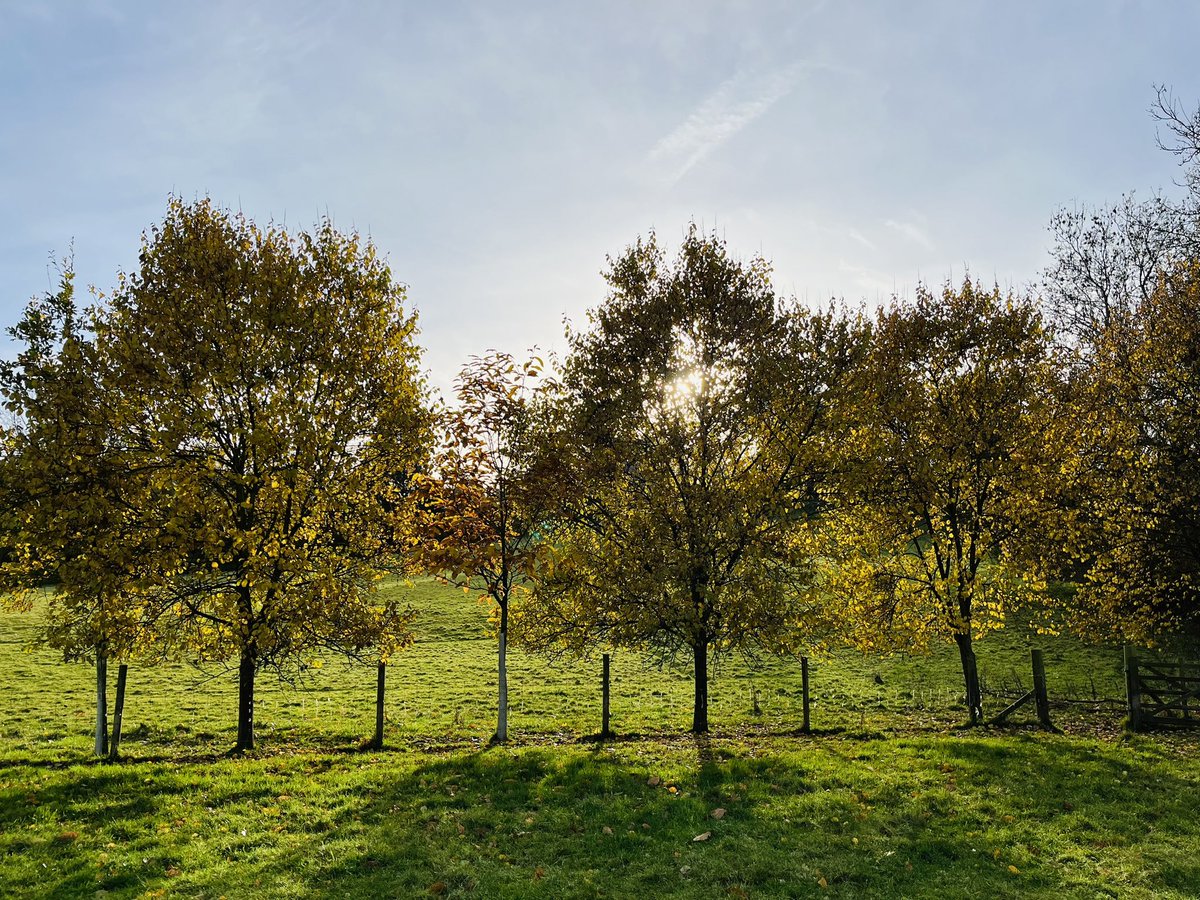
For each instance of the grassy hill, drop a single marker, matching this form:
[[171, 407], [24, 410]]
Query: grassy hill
[[888, 797]]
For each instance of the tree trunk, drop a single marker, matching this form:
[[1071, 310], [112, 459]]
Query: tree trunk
[[970, 677], [245, 728], [114, 746], [700, 707], [101, 702], [502, 716]]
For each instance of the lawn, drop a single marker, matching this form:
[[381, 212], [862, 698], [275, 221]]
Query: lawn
[[888, 797]]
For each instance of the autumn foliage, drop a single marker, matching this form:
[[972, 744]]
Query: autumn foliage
[[220, 458]]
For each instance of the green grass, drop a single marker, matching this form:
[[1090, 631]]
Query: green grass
[[888, 798]]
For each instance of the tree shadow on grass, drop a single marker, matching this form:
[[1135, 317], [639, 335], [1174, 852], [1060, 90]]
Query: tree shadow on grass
[[571, 822]]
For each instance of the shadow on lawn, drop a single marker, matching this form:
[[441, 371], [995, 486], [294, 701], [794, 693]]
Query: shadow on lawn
[[574, 822]]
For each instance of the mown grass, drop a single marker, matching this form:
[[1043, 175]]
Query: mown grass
[[888, 798]]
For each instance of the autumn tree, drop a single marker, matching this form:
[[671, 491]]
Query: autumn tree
[[1133, 535], [698, 413], [1122, 290], [269, 385], [953, 442], [486, 499], [73, 502]]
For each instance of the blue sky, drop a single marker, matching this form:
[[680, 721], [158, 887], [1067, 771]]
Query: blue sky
[[496, 152]]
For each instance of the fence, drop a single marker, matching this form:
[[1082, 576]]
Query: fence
[[1159, 697]]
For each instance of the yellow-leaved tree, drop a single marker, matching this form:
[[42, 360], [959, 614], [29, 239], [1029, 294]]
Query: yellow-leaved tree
[[80, 527], [269, 387], [954, 444], [1132, 495], [698, 421]]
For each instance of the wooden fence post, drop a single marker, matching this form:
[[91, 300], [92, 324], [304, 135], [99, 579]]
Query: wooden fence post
[[114, 745], [1133, 690], [380, 681], [101, 703], [1040, 697], [604, 702], [804, 690]]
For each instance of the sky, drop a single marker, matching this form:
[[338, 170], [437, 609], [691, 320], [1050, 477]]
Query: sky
[[497, 153]]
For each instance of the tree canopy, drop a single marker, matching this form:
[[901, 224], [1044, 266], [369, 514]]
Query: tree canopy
[[699, 411], [486, 501], [256, 396], [952, 448]]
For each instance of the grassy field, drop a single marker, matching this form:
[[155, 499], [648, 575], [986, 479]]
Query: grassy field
[[888, 797]]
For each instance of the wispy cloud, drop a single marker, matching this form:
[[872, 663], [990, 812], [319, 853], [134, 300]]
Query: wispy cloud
[[912, 231], [736, 103], [855, 235]]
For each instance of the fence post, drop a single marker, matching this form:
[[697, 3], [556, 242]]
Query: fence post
[[604, 702], [804, 689], [101, 703], [1133, 690], [114, 746], [380, 680], [1040, 697]]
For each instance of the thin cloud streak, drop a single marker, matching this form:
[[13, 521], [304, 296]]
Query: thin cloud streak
[[911, 231], [736, 103]]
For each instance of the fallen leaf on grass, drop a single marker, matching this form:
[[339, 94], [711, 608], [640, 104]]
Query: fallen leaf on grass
[[539, 873], [67, 836], [1014, 870], [174, 872], [718, 813], [673, 789], [654, 781], [607, 830], [702, 837], [822, 882], [683, 870], [437, 888]]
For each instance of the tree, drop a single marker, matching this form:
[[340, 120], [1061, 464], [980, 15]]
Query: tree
[[698, 413], [954, 442], [269, 387], [1122, 290], [1134, 519], [70, 496], [486, 499]]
